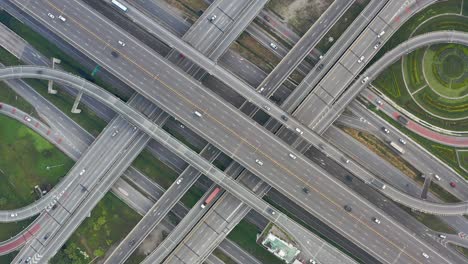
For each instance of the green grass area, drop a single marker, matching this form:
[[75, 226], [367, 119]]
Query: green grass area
[[463, 159], [245, 235], [49, 50], [254, 52], [462, 250], [8, 230], [391, 83], [192, 196], [445, 153], [25, 156], [431, 221], [341, 25], [109, 222], [155, 169], [412, 67]]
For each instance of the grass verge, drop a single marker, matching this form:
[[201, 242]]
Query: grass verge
[[109, 222], [25, 156]]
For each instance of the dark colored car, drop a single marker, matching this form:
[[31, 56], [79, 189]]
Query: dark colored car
[[453, 184], [285, 118], [305, 190], [114, 54], [348, 208]]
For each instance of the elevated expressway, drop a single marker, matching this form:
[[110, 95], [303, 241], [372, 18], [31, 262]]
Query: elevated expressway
[[155, 132], [186, 116]]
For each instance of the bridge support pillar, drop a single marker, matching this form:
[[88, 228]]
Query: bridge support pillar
[[50, 90], [427, 183], [75, 109]]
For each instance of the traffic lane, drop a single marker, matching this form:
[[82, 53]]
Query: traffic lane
[[428, 163], [132, 117], [305, 44], [65, 209], [332, 55]]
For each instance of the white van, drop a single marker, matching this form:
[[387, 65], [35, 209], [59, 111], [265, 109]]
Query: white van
[[197, 114]]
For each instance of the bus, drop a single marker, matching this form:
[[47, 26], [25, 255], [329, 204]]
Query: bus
[[119, 5], [397, 148], [211, 197]]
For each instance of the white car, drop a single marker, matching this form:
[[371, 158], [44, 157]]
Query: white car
[[402, 141], [259, 162], [365, 80], [442, 236], [27, 118], [266, 107], [14, 214], [82, 171], [50, 15], [292, 156], [377, 45], [385, 130], [437, 177], [261, 89], [62, 18], [376, 220], [379, 102], [298, 130], [179, 181], [273, 45], [360, 59], [381, 34], [121, 43], [212, 18], [425, 255]]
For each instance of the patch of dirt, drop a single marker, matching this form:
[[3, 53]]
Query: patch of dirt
[[152, 240]]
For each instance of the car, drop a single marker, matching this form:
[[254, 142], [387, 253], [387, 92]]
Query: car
[[273, 45], [267, 18], [114, 54], [62, 18], [115, 133], [27, 118], [453, 184], [442, 236], [270, 211], [121, 43], [381, 34], [196, 113], [437, 177], [379, 102], [82, 171], [259, 162], [402, 141], [360, 59], [212, 18], [320, 67], [376, 220], [13, 214], [320, 57], [348, 208], [1, 106], [298, 130], [285, 118], [266, 107], [261, 89], [384, 129], [365, 80], [377, 45], [425, 255], [46, 236], [292, 156], [305, 190], [345, 160], [27, 260], [179, 181], [349, 178], [50, 15]]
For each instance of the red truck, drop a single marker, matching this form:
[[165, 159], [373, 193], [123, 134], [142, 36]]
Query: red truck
[[211, 197]]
